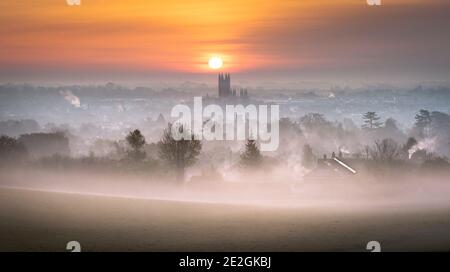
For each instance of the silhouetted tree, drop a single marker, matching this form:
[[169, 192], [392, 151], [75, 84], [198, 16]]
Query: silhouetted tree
[[251, 155], [11, 150], [423, 121], [371, 120], [391, 124], [391, 130], [385, 150], [46, 144], [136, 141], [314, 121], [179, 153]]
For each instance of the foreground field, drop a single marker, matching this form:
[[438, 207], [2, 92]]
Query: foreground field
[[46, 221]]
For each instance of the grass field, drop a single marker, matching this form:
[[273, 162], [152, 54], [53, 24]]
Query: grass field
[[45, 221]]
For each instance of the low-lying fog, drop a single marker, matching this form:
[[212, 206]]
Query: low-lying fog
[[274, 190]]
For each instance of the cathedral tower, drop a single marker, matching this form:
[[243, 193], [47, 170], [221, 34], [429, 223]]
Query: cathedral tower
[[224, 85]]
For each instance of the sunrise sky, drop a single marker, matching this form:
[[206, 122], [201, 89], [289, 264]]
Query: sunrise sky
[[321, 39]]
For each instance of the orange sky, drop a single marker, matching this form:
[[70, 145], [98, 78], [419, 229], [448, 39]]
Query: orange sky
[[180, 35]]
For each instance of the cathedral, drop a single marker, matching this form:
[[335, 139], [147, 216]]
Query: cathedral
[[225, 90]]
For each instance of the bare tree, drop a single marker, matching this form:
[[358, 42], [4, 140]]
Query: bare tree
[[385, 150], [179, 153]]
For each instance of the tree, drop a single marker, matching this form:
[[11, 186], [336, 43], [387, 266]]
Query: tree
[[371, 120], [423, 121], [11, 149], [136, 141], [385, 150], [46, 144], [314, 121], [391, 124], [179, 153], [251, 156], [308, 156]]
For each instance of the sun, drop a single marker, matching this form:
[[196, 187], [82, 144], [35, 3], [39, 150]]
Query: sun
[[215, 63]]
